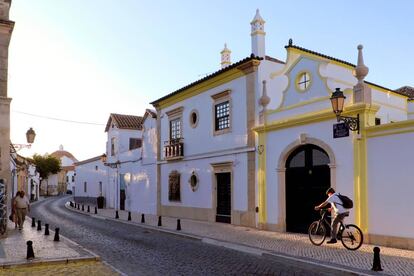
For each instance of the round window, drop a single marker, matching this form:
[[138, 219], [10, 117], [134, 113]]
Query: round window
[[303, 81], [193, 181], [193, 118]]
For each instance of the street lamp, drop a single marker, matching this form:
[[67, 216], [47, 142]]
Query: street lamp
[[337, 101], [30, 136]]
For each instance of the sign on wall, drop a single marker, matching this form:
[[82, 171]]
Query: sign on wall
[[340, 130]]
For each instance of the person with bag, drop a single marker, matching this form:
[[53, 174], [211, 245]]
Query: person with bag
[[13, 215], [337, 209], [22, 207]]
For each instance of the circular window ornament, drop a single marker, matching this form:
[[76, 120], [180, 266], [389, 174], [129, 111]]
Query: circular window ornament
[[194, 118], [193, 181], [303, 81]]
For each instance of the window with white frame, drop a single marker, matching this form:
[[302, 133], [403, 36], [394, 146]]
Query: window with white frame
[[175, 129], [100, 187], [113, 140], [135, 143], [222, 112]]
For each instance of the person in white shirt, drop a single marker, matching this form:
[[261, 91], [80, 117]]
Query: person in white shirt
[[22, 205], [337, 210]]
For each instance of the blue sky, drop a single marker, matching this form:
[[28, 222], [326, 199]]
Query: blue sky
[[81, 60]]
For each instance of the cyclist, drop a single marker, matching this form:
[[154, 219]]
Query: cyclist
[[338, 214]]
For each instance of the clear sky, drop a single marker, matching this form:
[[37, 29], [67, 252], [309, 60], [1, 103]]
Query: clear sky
[[81, 60]]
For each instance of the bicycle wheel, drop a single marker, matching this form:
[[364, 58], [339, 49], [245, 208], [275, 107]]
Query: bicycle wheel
[[352, 237], [317, 233]]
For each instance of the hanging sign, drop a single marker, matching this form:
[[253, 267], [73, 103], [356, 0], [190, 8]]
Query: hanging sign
[[340, 130]]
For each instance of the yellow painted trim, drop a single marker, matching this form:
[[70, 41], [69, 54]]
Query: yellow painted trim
[[220, 79], [390, 133], [262, 179], [373, 86], [391, 126], [313, 56], [298, 75], [390, 105]]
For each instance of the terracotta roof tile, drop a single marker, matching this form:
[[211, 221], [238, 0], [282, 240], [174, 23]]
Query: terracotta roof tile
[[406, 90], [124, 121]]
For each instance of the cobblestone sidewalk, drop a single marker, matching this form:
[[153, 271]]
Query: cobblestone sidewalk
[[51, 258], [394, 261]]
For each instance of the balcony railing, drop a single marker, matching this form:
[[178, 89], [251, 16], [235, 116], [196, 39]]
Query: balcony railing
[[174, 149]]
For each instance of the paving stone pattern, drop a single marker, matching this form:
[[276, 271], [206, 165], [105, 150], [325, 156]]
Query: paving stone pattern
[[139, 251], [394, 261]]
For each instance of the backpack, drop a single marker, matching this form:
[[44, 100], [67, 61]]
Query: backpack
[[346, 201]]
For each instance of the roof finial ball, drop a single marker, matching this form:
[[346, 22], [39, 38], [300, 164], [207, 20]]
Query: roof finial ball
[[361, 71]]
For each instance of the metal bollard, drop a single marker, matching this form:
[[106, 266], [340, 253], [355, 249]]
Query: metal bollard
[[70, 204], [178, 225], [116, 214], [56, 238], [46, 229], [33, 222], [159, 221], [142, 218], [30, 252], [129, 215], [83, 207], [376, 266], [78, 206], [39, 225], [89, 210], [96, 210]]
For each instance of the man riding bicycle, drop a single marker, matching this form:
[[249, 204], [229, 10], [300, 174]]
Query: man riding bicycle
[[338, 214]]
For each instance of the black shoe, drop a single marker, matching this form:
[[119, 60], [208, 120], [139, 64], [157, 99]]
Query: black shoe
[[331, 241]]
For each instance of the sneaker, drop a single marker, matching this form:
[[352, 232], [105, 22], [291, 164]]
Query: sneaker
[[331, 241]]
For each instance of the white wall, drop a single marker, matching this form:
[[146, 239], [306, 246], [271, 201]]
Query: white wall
[[92, 173], [202, 197], [201, 139], [390, 188], [278, 141]]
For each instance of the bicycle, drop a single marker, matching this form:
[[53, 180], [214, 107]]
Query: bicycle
[[349, 234]]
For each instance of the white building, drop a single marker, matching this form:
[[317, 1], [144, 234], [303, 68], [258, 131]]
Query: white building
[[91, 179], [252, 144], [131, 158], [58, 183]]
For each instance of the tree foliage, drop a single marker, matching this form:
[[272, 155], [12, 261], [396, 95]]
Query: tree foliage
[[46, 165]]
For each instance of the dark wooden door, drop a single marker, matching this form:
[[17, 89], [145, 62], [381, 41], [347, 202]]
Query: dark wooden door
[[223, 197], [307, 179], [122, 197]]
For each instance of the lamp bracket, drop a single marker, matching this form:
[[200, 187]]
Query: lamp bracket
[[351, 122]]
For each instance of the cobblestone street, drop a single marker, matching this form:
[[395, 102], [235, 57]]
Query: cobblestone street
[[138, 251]]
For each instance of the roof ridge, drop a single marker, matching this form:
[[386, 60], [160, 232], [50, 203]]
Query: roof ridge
[[319, 54]]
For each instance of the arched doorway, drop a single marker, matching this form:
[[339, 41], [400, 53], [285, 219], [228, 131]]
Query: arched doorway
[[307, 179]]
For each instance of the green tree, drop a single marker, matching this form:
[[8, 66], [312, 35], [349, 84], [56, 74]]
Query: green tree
[[46, 165]]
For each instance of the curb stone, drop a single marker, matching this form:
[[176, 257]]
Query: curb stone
[[235, 246]]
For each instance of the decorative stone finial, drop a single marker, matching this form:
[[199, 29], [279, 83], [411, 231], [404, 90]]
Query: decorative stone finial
[[264, 99], [225, 57], [257, 18], [61, 147], [361, 71], [258, 35], [290, 42]]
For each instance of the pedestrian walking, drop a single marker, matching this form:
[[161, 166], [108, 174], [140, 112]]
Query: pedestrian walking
[[13, 215], [22, 207]]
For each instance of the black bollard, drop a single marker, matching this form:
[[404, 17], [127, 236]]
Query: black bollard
[[178, 225], [83, 207], [142, 218], [376, 266], [39, 225], [129, 215], [116, 214], [70, 204], [46, 229], [96, 210], [159, 221], [56, 238], [33, 222], [30, 252], [78, 206], [89, 210]]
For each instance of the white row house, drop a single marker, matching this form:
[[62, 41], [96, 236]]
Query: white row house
[[90, 179], [257, 143]]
